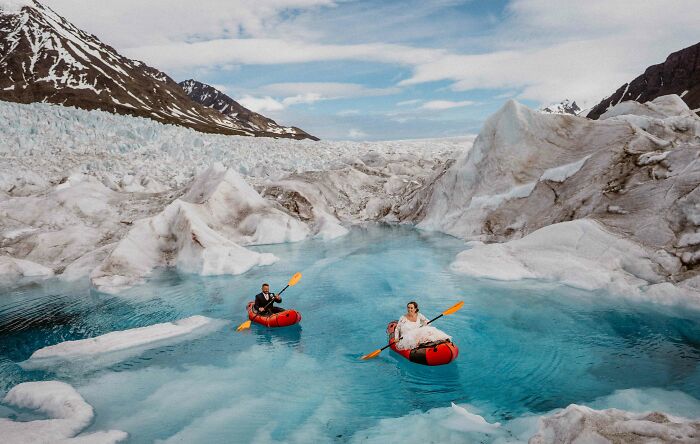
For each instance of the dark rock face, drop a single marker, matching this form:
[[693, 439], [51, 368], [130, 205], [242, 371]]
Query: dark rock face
[[243, 117], [44, 58], [678, 74]]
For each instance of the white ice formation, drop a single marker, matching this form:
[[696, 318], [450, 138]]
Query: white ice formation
[[118, 345], [201, 232], [540, 176], [138, 202], [637, 422], [87, 193], [67, 411], [582, 424]]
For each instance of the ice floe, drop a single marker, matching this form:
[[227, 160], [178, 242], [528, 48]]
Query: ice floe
[[118, 345], [626, 416], [68, 415], [579, 253]]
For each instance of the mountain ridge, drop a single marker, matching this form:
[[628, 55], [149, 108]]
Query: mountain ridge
[[45, 58], [679, 74]]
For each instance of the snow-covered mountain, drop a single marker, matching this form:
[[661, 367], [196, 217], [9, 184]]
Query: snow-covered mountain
[[679, 74], [566, 106], [243, 117], [44, 58]]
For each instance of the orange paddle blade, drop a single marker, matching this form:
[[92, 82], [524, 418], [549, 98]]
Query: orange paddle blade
[[374, 354], [293, 281], [244, 325], [454, 308]]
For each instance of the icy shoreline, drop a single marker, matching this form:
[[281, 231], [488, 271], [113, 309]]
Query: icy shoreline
[[624, 416]]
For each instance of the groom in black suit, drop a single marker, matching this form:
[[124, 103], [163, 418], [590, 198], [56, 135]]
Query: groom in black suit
[[264, 301]]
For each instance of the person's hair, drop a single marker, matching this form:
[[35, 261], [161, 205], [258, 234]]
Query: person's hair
[[265, 284], [415, 304]]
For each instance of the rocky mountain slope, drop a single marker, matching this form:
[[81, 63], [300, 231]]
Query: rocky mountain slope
[[45, 58], [679, 74], [243, 117]]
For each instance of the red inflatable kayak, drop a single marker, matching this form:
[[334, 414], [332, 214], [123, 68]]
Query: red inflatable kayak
[[435, 353], [283, 318]]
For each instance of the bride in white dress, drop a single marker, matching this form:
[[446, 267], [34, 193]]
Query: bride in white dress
[[412, 330]]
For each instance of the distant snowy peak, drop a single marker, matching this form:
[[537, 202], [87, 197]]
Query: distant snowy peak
[[241, 116], [679, 74], [566, 106], [45, 58]]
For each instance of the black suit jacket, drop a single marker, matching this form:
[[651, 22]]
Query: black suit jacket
[[261, 302]]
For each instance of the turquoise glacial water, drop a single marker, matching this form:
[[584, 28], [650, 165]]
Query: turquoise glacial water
[[525, 347]]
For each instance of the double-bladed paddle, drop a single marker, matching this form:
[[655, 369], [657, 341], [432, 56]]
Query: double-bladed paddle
[[292, 282], [449, 311]]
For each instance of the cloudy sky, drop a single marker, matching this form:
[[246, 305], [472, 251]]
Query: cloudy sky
[[370, 70]]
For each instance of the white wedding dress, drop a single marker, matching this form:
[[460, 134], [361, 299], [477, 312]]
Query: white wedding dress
[[415, 333]]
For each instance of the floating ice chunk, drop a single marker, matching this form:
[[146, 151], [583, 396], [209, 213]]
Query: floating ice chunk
[[465, 421], [582, 424], [328, 227], [127, 342], [578, 253], [18, 268], [451, 424], [67, 410], [14, 271]]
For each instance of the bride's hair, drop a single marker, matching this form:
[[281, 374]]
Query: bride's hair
[[415, 304]]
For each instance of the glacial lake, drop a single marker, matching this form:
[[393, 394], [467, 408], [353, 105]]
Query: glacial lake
[[526, 347]]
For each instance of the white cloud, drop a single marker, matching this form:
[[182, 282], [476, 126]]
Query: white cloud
[[348, 112], [132, 23], [221, 88], [254, 51], [445, 104], [307, 98], [308, 93], [261, 104], [327, 90], [355, 133], [545, 49], [409, 102]]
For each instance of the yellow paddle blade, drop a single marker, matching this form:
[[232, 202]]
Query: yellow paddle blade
[[454, 308], [374, 354], [293, 281], [244, 325]]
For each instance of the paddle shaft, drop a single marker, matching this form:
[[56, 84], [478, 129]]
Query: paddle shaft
[[389, 344]]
